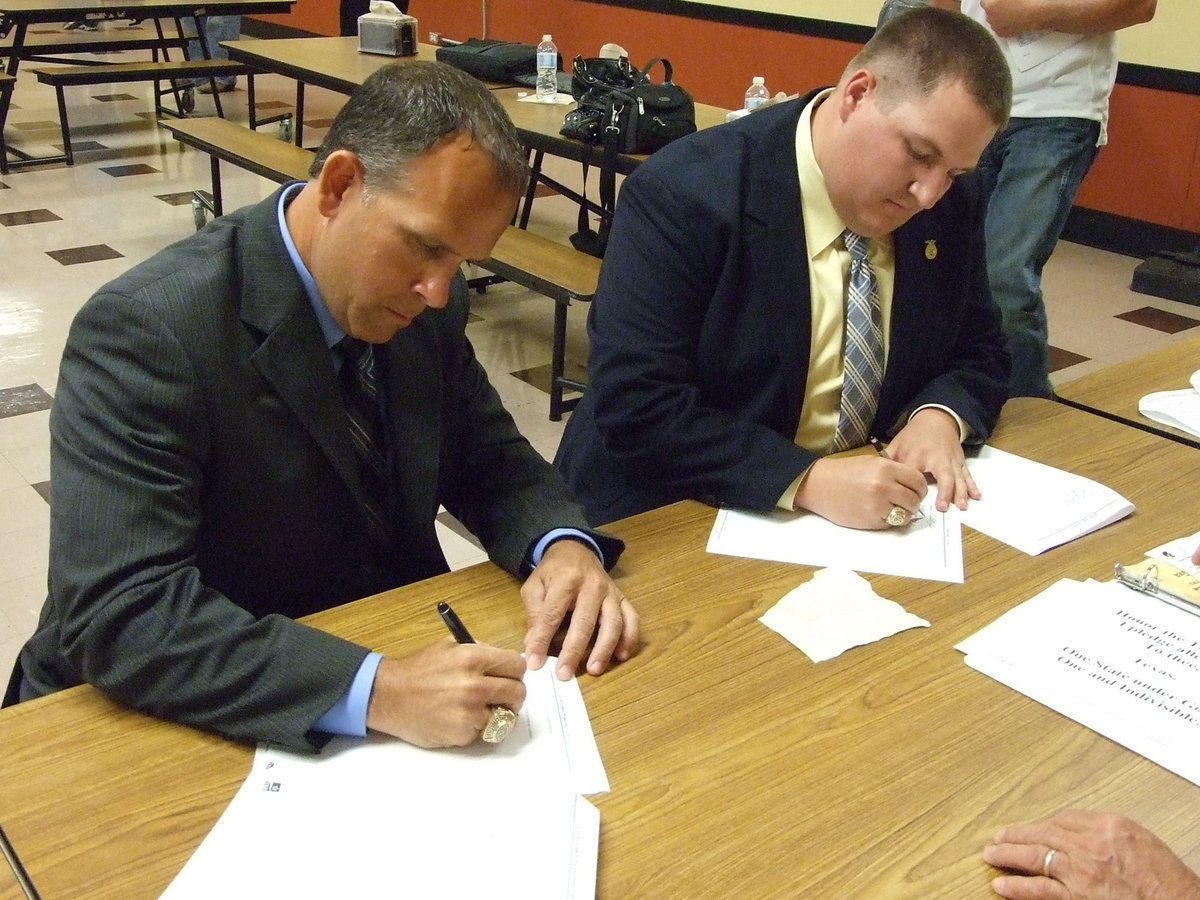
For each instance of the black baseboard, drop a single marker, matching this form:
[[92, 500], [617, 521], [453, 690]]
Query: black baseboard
[[257, 28], [1120, 234]]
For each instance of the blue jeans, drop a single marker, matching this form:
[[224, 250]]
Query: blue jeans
[[216, 29], [1032, 169]]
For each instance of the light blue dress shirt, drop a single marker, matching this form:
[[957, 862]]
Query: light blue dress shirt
[[349, 715]]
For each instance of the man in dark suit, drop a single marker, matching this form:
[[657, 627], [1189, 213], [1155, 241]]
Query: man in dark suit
[[208, 489], [716, 363]]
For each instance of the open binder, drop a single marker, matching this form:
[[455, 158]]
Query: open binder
[[1164, 581]]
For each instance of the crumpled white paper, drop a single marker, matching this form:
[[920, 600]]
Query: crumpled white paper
[[835, 611]]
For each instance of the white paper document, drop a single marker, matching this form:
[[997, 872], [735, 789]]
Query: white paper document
[[835, 611], [1179, 553], [1120, 662], [1034, 507], [380, 817], [930, 547], [1179, 409]]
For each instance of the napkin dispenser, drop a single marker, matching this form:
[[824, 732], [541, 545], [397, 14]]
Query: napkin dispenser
[[387, 31]]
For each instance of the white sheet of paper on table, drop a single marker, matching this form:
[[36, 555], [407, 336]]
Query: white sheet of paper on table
[[930, 547], [1115, 660], [376, 816], [1032, 506]]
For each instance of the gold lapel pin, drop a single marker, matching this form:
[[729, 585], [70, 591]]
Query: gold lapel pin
[[931, 249]]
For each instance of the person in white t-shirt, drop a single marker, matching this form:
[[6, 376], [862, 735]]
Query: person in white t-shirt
[[1063, 59]]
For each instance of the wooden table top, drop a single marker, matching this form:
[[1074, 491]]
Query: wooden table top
[[9, 889], [738, 767], [334, 63], [1115, 390], [539, 125], [67, 10]]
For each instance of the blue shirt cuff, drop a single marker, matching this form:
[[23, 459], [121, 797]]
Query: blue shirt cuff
[[349, 715], [555, 534]]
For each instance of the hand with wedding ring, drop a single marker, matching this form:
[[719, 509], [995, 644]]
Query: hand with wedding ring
[[1084, 855]]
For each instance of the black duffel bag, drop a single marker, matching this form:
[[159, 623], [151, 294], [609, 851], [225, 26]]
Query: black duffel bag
[[618, 106], [617, 103], [489, 60]]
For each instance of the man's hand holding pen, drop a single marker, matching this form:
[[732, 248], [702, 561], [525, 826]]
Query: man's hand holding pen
[[886, 489], [444, 694]]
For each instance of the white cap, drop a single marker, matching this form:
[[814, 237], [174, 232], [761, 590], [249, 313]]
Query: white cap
[[545, 37], [757, 79]]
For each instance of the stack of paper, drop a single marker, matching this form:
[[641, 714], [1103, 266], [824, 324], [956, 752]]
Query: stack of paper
[[1179, 409], [1120, 662], [1034, 507], [379, 817]]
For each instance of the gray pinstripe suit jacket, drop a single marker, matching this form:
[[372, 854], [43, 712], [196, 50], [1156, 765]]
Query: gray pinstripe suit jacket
[[205, 491]]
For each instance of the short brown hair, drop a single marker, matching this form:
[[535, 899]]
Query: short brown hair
[[919, 50]]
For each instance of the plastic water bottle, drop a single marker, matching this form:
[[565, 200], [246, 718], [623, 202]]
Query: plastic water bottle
[[757, 94], [547, 68]]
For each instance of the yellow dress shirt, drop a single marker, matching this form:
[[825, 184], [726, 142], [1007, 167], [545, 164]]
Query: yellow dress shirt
[[828, 270]]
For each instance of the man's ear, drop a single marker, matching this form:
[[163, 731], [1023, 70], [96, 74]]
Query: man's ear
[[855, 90], [341, 178]]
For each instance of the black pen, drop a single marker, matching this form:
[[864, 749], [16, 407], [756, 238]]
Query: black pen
[[917, 514], [454, 623]]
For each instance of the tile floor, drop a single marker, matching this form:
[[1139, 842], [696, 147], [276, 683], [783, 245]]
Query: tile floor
[[66, 231]]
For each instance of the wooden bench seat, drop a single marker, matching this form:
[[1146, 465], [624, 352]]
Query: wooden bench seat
[[43, 46], [561, 273], [555, 270], [173, 71], [240, 146]]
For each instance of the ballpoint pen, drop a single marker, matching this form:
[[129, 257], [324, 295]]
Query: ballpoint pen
[[899, 515], [454, 623], [502, 718]]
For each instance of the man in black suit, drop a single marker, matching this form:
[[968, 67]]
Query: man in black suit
[[716, 362], [208, 490]]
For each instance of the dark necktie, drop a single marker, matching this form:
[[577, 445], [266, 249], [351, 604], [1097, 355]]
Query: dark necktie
[[864, 349], [360, 392]]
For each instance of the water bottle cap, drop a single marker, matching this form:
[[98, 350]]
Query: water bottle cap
[[758, 79], [545, 37]]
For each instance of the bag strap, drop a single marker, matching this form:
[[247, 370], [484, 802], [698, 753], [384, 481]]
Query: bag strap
[[582, 222], [608, 165], [644, 74]]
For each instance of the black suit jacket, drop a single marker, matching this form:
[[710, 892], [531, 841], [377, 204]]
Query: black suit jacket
[[206, 491], [700, 328]]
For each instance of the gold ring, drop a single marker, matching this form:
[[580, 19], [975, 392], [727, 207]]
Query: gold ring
[[898, 516], [499, 725], [1046, 863]]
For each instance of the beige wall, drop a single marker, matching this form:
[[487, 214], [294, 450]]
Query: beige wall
[[1171, 40]]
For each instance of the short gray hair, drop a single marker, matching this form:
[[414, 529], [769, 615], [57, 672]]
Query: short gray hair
[[918, 50], [403, 109]]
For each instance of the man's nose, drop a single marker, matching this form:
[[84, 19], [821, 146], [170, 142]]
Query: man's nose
[[434, 288], [929, 188]]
